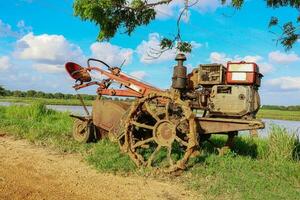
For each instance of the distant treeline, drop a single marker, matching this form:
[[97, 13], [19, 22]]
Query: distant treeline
[[57, 95], [288, 108]]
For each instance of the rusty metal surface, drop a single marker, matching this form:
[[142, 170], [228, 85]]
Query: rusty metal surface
[[106, 114], [221, 125], [160, 126]]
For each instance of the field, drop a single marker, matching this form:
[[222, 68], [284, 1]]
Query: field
[[28, 100], [267, 113], [279, 114], [255, 169]]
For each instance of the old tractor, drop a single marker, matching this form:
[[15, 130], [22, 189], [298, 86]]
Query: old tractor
[[164, 128]]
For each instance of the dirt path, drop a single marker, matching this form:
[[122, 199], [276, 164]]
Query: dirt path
[[31, 172]]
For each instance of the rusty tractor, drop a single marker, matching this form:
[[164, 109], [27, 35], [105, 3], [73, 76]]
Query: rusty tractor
[[164, 128]]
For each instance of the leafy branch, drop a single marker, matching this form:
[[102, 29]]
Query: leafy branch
[[112, 16]]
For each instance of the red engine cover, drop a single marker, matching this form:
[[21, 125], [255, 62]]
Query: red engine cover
[[243, 73]]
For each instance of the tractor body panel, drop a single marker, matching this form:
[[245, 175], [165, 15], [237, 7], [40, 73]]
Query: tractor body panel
[[106, 114], [233, 100]]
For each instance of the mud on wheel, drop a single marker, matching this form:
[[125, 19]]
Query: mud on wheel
[[83, 131], [161, 132]]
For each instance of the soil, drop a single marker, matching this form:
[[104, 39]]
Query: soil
[[31, 172]]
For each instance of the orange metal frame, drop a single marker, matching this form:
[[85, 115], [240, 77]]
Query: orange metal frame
[[134, 88]]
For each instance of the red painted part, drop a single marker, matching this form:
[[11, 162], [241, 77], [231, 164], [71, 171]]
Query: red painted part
[[71, 68], [134, 87], [120, 93], [78, 87], [252, 77]]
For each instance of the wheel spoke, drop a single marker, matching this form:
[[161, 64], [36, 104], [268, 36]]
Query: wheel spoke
[[181, 141], [169, 156], [142, 125], [151, 112], [167, 110], [140, 143], [182, 120], [152, 156]]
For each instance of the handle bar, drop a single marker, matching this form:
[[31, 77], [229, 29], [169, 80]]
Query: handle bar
[[102, 62]]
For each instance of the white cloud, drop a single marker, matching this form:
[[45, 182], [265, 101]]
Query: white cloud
[[285, 83], [255, 59], [112, 54], [23, 28], [48, 68], [48, 52], [204, 6], [139, 74], [283, 58], [6, 30], [50, 49], [147, 49], [4, 63], [196, 45], [217, 57], [150, 51], [265, 67], [166, 11], [172, 9]]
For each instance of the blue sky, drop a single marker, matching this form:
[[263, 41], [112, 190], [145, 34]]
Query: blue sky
[[38, 36]]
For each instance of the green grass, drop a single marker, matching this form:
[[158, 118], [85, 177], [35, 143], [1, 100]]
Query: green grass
[[255, 169], [279, 114], [30, 100]]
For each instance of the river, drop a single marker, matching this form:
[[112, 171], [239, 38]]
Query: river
[[291, 126]]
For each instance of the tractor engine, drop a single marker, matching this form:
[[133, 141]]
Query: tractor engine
[[228, 92]]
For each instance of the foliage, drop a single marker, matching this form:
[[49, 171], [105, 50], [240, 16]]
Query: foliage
[[126, 16], [112, 15], [287, 108], [40, 94], [2, 91]]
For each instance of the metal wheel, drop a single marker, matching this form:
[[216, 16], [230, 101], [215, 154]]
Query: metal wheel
[[83, 131], [161, 132]]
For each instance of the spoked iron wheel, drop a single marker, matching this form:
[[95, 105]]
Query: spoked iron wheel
[[161, 132], [83, 131]]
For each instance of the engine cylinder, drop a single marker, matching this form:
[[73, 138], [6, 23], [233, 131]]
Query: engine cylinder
[[179, 79]]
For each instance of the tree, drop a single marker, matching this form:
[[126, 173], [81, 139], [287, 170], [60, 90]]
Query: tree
[[18, 93], [40, 94], [126, 15], [31, 93], [2, 91]]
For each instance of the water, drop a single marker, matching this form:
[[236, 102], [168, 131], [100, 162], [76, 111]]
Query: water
[[291, 126], [76, 110]]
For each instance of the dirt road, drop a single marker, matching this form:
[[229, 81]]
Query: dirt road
[[31, 172]]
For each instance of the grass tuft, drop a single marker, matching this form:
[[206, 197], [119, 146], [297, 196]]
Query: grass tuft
[[106, 157], [281, 145]]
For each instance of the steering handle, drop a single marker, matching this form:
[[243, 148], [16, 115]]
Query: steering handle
[[100, 61]]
